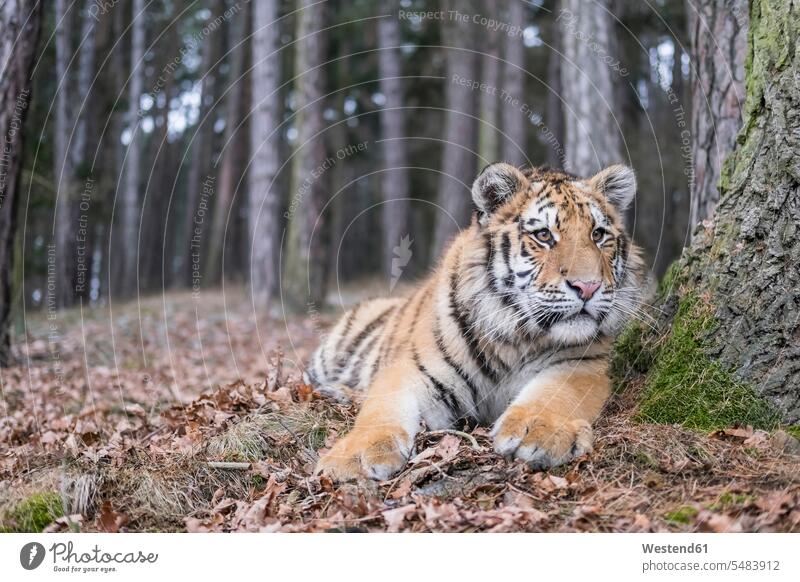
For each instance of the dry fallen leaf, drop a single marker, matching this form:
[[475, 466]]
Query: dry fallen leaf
[[394, 517]]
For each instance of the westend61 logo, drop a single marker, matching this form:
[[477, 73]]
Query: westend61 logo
[[66, 559]]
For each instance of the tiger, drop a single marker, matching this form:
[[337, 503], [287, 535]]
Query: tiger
[[513, 328]]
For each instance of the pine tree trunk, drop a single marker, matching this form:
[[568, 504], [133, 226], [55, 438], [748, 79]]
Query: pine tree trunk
[[128, 234], [552, 133], [515, 124], [154, 251], [460, 134], [234, 156], [264, 195], [591, 131], [71, 149], [744, 265], [63, 170], [718, 31], [489, 128], [307, 257], [20, 24], [394, 179], [202, 186]]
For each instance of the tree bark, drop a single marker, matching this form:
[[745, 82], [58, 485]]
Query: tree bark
[[264, 196], [744, 265], [126, 281], [71, 151], [460, 135], [394, 179], [591, 131], [234, 157], [20, 24], [489, 127], [201, 187], [515, 124], [306, 257], [553, 131], [718, 31], [63, 170]]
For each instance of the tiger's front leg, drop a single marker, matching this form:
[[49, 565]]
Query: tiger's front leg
[[550, 421], [382, 437]]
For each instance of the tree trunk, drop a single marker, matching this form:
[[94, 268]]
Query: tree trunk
[[20, 24], [515, 123], [718, 31], [264, 195], [63, 170], [591, 130], [552, 133], [460, 135], [202, 186], [234, 157], [489, 128], [71, 153], [307, 258], [394, 179], [126, 281], [155, 252], [743, 267]]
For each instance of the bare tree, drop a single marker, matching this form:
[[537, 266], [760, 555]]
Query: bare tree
[[718, 31], [489, 127], [130, 198], [236, 141], [553, 130], [202, 183], [460, 134], [64, 223], [307, 258], [592, 136], [71, 143], [20, 24], [264, 196], [394, 179], [514, 122]]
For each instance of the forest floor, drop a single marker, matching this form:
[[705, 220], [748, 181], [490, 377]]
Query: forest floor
[[126, 432]]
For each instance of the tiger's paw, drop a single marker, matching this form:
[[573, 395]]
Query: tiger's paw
[[540, 438], [376, 453]]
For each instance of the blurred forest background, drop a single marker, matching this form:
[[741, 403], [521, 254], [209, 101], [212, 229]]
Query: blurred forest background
[[177, 144]]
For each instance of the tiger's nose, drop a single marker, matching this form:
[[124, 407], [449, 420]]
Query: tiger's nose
[[584, 289]]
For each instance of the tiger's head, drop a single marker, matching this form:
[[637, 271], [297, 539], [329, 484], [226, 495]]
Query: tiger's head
[[557, 250]]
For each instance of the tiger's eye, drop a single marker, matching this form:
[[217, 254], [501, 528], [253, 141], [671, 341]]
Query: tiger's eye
[[598, 234], [543, 235]]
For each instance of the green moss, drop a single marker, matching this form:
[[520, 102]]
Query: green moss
[[631, 356], [683, 515], [685, 386], [33, 514], [728, 500], [671, 280], [793, 430]]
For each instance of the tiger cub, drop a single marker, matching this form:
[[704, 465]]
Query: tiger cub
[[514, 327]]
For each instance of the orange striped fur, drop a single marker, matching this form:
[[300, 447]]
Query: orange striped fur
[[514, 327]]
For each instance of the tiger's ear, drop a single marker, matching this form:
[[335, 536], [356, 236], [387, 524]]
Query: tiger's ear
[[617, 183], [495, 185]]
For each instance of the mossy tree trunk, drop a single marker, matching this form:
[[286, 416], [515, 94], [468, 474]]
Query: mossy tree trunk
[[741, 277]]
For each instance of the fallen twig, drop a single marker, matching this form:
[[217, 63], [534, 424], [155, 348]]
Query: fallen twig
[[229, 465], [460, 433]]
